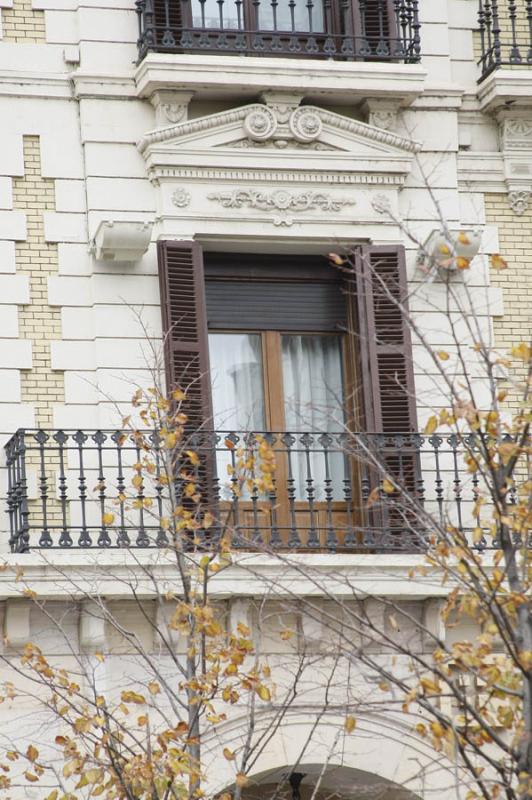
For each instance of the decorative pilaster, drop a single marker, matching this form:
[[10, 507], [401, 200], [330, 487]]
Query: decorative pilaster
[[515, 128]]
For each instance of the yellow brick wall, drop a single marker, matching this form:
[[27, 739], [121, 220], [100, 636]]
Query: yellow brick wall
[[515, 244], [506, 37], [22, 24], [37, 258]]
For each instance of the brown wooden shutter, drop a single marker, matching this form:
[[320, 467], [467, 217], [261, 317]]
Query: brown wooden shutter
[[185, 327], [385, 358], [385, 344]]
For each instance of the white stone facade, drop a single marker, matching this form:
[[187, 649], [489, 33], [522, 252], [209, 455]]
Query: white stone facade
[[243, 154]]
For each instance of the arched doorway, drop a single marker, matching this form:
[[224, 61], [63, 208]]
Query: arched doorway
[[316, 782]]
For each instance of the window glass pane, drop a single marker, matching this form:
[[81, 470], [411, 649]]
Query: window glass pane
[[236, 378], [237, 395], [313, 401], [291, 15], [213, 14]]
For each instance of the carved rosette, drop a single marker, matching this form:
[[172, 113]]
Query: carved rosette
[[305, 125], [180, 198], [260, 124]]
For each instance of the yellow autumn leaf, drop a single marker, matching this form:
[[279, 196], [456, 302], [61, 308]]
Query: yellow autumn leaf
[[431, 426], [142, 720], [388, 486], [100, 657], [32, 753], [132, 697], [193, 457], [523, 351], [241, 779], [286, 634], [54, 794], [228, 754], [108, 518], [178, 395], [498, 262], [443, 355], [264, 693], [336, 259], [463, 238], [384, 686], [31, 777], [463, 263], [350, 724], [154, 687], [137, 481]]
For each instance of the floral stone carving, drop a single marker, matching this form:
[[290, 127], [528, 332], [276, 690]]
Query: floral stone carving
[[287, 203]]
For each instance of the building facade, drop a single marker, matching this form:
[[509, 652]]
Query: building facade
[[180, 170]]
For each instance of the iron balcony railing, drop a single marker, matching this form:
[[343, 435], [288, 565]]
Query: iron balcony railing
[[505, 34], [356, 30], [76, 489]]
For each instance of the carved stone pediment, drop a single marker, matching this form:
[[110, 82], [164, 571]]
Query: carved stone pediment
[[222, 139], [281, 163]]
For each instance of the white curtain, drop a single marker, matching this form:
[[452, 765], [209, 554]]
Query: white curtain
[[313, 398], [237, 391]]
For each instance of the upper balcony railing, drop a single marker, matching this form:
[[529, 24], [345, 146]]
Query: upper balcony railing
[[81, 489], [354, 30], [505, 34]]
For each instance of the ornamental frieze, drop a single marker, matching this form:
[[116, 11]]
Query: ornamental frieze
[[287, 203]]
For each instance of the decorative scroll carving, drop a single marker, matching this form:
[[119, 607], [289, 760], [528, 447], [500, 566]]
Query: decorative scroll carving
[[280, 200], [260, 124], [381, 204], [519, 202], [305, 125]]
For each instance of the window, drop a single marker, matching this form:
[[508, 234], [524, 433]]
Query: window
[[301, 353]]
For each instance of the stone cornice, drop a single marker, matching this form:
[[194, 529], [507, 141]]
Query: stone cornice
[[112, 574], [35, 84]]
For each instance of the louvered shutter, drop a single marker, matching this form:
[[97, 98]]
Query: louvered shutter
[[385, 358], [185, 326], [385, 344], [187, 359]]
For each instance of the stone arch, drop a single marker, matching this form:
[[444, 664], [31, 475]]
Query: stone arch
[[383, 755]]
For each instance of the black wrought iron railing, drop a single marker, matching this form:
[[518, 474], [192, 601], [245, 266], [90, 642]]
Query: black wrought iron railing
[[357, 30], [83, 489], [505, 34]]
